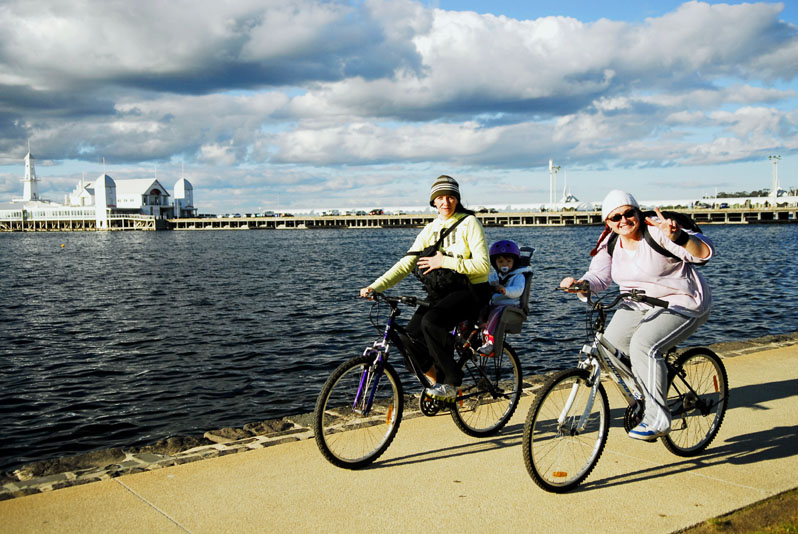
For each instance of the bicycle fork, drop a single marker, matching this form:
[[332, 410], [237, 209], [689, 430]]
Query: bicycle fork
[[369, 382], [582, 422]]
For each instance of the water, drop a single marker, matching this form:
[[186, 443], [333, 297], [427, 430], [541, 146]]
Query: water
[[122, 339]]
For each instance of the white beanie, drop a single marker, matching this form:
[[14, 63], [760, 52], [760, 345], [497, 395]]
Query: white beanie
[[615, 199]]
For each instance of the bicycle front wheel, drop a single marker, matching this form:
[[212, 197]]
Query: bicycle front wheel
[[698, 394], [489, 394], [565, 431], [358, 412]]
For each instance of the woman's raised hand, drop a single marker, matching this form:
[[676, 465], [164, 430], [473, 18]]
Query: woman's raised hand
[[667, 226]]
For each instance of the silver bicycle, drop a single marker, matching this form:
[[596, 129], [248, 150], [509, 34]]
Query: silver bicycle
[[567, 426]]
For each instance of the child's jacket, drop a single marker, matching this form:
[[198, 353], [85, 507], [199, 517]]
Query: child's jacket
[[513, 282]]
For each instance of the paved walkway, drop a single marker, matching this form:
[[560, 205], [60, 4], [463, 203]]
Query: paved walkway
[[433, 476]]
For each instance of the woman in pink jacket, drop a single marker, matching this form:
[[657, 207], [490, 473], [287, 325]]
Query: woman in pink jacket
[[644, 332]]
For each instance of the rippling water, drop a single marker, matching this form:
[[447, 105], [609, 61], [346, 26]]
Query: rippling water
[[122, 339]]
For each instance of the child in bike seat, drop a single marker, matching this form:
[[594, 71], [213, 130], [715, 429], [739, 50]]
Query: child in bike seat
[[507, 281]]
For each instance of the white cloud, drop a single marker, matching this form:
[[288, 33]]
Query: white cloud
[[303, 89]]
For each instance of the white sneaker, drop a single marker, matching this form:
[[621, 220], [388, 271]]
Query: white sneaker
[[644, 432], [443, 392]]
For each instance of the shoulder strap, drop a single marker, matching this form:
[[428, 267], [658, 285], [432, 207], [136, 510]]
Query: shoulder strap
[[449, 230], [656, 246], [649, 239], [441, 238]]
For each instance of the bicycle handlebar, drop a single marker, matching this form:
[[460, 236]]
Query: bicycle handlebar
[[401, 299], [637, 295]]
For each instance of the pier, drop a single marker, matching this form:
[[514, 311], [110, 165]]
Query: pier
[[79, 220], [502, 219]]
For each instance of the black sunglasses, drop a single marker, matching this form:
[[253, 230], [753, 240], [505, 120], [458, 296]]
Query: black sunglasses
[[628, 214]]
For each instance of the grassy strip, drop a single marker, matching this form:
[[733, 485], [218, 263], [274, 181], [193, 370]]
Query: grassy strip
[[776, 515]]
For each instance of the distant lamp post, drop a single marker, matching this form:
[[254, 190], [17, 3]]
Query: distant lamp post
[[553, 170], [774, 191]]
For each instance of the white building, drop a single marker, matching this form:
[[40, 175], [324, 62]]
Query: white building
[[105, 196], [184, 199], [145, 196]]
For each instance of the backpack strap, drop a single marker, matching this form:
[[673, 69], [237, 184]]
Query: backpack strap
[[651, 242], [440, 239]]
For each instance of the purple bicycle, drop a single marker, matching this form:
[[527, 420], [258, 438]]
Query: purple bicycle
[[360, 406]]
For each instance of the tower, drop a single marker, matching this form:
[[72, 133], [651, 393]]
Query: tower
[[184, 197], [774, 190], [30, 189], [104, 198], [553, 169]]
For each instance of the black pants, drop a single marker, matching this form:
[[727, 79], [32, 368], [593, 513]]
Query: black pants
[[434, 325]]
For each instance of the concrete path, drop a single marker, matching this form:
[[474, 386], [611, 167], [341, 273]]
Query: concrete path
[[433, 478]]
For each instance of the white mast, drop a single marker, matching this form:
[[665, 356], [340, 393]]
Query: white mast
[[774, 191], [552, 182], [30, 190]]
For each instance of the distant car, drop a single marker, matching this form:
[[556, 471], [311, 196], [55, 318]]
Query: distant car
[[376, 211]]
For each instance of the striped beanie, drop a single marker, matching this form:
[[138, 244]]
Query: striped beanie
[[444, 185]]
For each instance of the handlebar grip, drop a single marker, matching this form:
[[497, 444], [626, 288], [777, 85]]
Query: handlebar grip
[[656, 302]]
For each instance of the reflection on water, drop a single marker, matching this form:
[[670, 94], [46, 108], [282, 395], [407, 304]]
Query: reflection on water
[[121, 339]]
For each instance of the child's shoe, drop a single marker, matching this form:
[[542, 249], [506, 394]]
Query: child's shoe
[[487, 347]]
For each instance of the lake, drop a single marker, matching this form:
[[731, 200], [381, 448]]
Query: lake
[[125, 338]]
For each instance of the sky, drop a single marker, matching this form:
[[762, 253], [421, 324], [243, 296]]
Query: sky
[[299, 105]]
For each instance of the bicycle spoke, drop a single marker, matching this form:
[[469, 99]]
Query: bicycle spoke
[[557, 455], [489, 395], [350, 433]]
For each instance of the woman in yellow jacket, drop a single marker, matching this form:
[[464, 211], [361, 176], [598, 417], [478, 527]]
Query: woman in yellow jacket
[[463, 250]]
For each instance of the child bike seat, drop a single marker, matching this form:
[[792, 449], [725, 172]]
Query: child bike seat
[[512, 318]]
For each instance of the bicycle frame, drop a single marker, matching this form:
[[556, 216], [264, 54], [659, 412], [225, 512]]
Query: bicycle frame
[[370, 380], [602, 355]]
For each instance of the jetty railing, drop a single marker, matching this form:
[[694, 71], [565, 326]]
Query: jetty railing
[[500, 219], [77, 220]]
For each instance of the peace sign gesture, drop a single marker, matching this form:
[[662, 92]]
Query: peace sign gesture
[[667, 226]]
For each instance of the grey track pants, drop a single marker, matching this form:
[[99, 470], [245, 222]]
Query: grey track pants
[[645, 336]]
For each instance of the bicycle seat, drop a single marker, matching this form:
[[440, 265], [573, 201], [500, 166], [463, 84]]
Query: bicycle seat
[[512, 318]]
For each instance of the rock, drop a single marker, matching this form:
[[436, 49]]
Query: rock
[[70, 463], [174, 445], [226, 435], [268, 427]]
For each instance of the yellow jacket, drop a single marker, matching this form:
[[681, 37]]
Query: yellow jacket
[[464, 249]]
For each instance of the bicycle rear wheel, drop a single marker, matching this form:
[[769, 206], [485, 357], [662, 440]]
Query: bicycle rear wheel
[[698, 394], [349, 432], [489, 394], [558, 453]]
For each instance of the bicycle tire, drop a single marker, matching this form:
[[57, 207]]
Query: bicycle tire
[[698, 394], [483, 409], [345, 437], [559, 457]]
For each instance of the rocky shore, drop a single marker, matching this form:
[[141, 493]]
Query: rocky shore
[[47, 475]]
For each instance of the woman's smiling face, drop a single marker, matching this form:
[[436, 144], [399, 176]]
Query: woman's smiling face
[[445, 204], [624, 220]]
